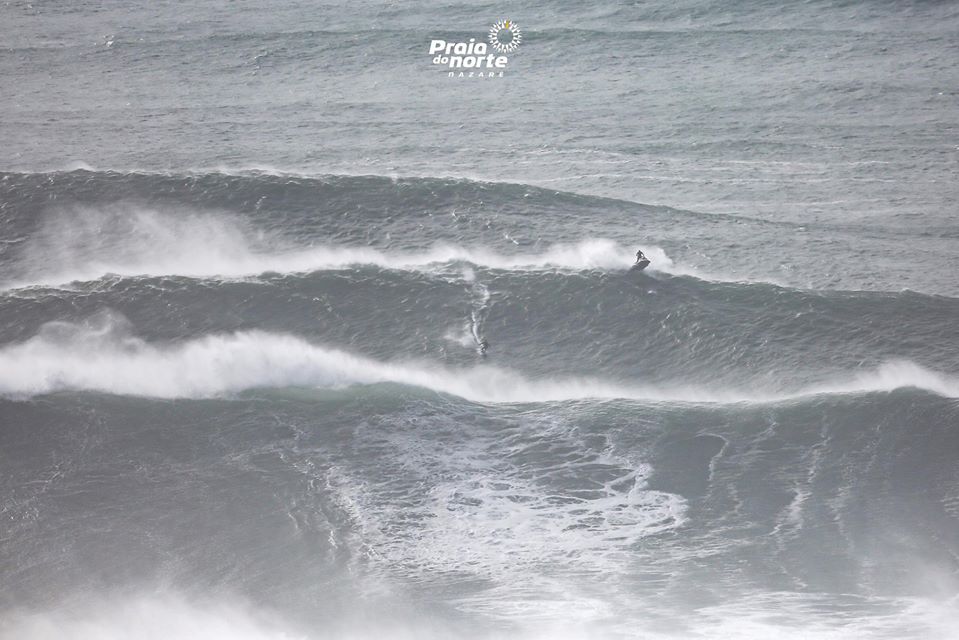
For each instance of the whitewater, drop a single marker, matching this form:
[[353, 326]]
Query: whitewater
[[93, 244], [105, 356]]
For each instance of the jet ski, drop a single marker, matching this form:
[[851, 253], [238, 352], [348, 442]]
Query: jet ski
[[641, 262]]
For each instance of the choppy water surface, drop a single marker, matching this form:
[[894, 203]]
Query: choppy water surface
[[248, 257]]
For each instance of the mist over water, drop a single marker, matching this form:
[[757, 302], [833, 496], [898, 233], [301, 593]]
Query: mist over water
[[302, 339]]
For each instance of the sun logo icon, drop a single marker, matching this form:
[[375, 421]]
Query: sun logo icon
[[505, 36]]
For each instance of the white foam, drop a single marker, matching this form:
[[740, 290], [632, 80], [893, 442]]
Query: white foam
[[84, 244], [889, 376], [780, 615], [504, 507], [103, 355], [481, 508], [154, 617], [824, 616]]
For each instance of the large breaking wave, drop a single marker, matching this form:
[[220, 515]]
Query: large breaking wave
[[89, 244], [103, 355], [210, 230]]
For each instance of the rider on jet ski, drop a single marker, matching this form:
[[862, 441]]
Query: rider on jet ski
[[641, 261]]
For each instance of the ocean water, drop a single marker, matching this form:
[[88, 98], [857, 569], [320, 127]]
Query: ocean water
[[248, 252]]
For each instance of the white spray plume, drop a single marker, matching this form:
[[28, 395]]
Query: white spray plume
[[103, 355]]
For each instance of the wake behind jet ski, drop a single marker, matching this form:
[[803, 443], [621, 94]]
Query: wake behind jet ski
[[641, 261]]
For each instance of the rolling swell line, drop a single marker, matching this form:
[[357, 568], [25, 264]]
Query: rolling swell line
[[90, 244], [261, 176], [150, 239], [105, 357]]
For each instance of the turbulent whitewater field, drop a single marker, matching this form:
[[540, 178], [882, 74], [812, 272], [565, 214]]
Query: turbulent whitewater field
[[248, 254]]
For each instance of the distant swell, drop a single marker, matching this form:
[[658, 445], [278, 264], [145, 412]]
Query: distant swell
[[102, 355]]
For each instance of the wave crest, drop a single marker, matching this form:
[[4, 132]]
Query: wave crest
[[89, 244], [103, 355]]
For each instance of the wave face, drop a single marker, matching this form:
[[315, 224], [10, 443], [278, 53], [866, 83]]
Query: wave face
[[81, 225], [80, 242], [103, 355], [264, 405], [93, 244]]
